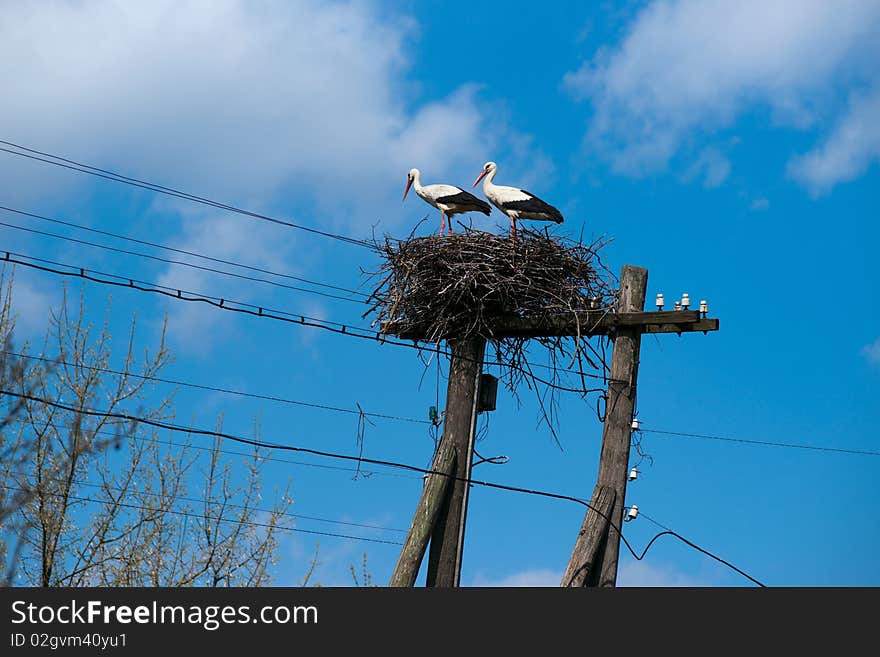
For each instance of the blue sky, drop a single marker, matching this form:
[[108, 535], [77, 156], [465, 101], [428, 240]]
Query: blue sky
[[730, 148]]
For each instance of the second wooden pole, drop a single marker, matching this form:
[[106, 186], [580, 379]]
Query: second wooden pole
[[459, 427]]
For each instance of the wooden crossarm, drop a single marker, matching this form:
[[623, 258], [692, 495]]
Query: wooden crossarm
[[585, 323]]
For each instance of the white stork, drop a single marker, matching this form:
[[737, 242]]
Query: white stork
[[450, 200], [515, 203]]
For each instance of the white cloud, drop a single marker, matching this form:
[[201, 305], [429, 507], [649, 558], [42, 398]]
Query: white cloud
[[639, 573], [301, 100], [537, 577], [848, 151], [630, 573], [712, 166], [872, 352], [225, 94], [687, 67], [281, 107], [31, 306]]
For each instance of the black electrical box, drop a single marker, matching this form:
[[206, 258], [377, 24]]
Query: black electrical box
[[487, 393]]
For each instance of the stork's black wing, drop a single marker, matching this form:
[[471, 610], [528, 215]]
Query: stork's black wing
[[534, 205], [466, 198]]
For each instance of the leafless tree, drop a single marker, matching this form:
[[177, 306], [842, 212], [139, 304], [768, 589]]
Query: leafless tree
[[90, 499]]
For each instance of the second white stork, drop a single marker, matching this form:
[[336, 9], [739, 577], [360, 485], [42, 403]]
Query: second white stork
[[450, 200], [515, 203]]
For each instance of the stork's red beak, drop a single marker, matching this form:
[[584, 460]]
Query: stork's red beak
[[480, 177], [406, 191]]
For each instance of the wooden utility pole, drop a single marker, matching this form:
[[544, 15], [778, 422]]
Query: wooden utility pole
[[594, 558], [424, 519], [585, 559], [459, 427], [617, 432]]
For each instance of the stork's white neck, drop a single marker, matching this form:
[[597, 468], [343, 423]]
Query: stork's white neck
[[487, 181], [417, 182]]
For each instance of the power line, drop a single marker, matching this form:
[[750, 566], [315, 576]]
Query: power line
[[169, 191], [90, 484], [361, 459], [817, 448], [56, 361], [181, 251], [227, 391], [205, 516], [274, 459], [669, 532], [178, 293], [650, 519], [164, 248], [211, 432], [180, 262], [270, 313]]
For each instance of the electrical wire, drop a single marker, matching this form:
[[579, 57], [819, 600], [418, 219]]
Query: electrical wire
[[379, 415], [361, 459], [696, 547], [222, 303], [205, 516], [169, 191], [178, 293], [172, 249], [91, 484], [818, 448], [274, 459], [181, 263], [199, 386], [650, 519]]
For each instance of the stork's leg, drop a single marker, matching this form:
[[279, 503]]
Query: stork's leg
[[450, 223], [442, 222], [512, 227]]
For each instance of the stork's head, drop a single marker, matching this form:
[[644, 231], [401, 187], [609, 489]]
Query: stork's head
[[489, 167], [412, 175]]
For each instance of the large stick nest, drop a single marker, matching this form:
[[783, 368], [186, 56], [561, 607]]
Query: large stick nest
[[459, 286]]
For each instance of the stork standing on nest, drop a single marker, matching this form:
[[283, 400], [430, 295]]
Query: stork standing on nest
[[450, 200], [515, 203]]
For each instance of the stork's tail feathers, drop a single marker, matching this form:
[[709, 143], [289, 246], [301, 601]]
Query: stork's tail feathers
[[484, 208]]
